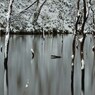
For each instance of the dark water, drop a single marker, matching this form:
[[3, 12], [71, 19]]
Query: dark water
[[44, 75]]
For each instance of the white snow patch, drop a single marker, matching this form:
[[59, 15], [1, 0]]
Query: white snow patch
[[81, 39], [6, 42], [27, 84], [82, 64], [32, 50], [72, 56]]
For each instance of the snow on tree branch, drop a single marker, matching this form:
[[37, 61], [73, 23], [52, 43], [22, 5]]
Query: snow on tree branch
[[25, 9], [37, 13]]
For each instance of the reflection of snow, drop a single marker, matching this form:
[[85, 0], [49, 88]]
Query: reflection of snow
[[82, 64], [6, 43], [27, 84], [5, 84]]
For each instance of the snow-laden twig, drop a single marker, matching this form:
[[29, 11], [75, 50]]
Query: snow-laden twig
[[28, 7]]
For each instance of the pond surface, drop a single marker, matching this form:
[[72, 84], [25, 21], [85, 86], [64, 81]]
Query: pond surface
[[46, 74]]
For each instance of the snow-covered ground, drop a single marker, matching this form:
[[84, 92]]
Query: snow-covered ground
[[59, 14]]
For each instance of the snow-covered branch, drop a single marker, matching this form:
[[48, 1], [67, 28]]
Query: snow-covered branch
[[26, 8], [37, 13], [22, 11]]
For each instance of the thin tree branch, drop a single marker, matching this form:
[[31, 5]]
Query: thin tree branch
[[27, 7], [24, 9]]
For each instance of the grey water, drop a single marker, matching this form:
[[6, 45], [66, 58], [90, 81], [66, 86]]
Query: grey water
[[44, 75]]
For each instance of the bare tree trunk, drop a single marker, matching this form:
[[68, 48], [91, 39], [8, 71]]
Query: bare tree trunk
[[37, 2], [37, 13], [7, 37], [79, 16], [85, 16]]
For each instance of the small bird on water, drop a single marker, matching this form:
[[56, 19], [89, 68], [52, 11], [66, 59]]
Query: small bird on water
[[32, 51]]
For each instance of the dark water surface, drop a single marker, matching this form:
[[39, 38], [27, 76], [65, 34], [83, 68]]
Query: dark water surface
[[45, 74]]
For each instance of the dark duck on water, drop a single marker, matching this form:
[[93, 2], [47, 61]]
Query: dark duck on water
[[55, 56]]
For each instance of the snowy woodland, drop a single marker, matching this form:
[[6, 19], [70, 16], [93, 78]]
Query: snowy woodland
[[60, 16], [65, 15]]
